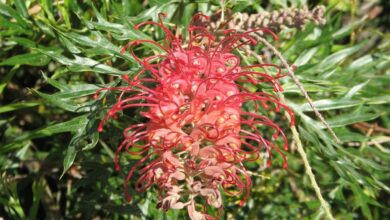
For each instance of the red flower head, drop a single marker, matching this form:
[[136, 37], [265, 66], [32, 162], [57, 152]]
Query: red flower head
[[202, 122]]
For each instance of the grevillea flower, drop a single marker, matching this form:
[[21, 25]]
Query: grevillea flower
[[202, 123]]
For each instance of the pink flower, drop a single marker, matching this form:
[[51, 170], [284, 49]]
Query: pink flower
[[199, 130]]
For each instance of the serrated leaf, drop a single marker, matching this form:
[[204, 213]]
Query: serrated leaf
[[83, 133], [82, 64], [65, 103], [68, 126], [98, 41]]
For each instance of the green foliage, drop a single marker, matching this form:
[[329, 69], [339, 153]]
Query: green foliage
[[54, 164]]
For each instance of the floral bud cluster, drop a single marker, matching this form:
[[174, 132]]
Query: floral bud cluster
[[198, 131], [275, 20]]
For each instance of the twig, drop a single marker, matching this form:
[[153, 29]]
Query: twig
[[363, 126], [300, 86], [309, 171], [380, 147], [295, 133], [381, 140], [258, 175]]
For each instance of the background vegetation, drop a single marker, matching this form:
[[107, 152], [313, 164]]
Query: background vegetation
[[55, 54]]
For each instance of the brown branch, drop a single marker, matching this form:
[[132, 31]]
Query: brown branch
[[364, 127]]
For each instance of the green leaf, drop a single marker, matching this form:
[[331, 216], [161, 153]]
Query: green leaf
[[47, 6], [17, 106], [8, 76], [45, 28], [350, 118], [57, 84], [362, 62], [347, 29], [9, 28], [21, 7], [65, 14], [10, 12], [361, 200], [68, 126], [69, 159], [98, 41], [61, 101], [355, 89], [82, 64], [305, 56], [31, 59], [23, 41], [85, 132], [38, 188], [75, 91], [330, 104], [335, 58], [69, 45], [378, 100]]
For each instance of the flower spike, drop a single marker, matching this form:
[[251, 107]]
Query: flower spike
[[198, 132]]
